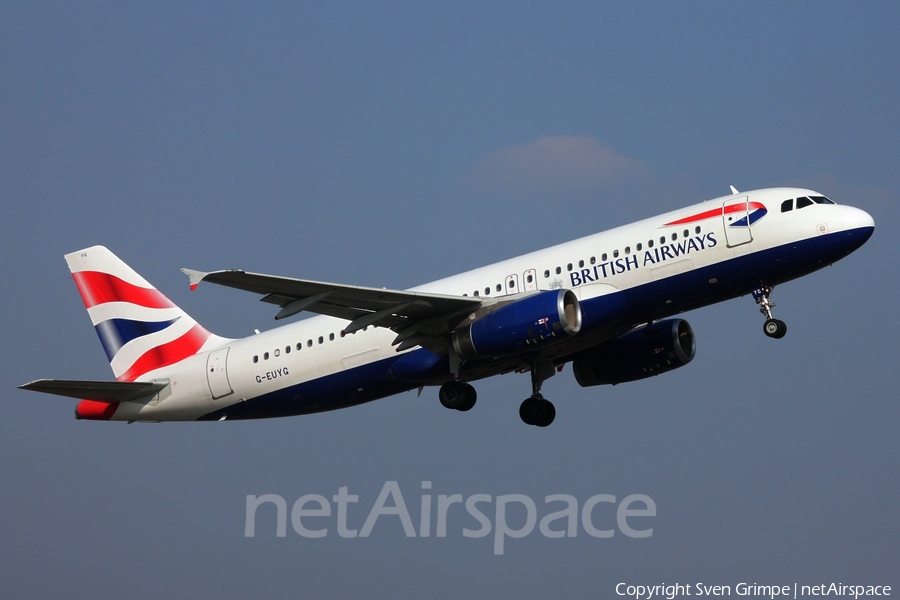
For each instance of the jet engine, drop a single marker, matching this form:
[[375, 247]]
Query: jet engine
[[638, 354], [530, 323]]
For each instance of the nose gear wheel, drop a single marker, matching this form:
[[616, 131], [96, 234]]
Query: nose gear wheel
[[774, 328]]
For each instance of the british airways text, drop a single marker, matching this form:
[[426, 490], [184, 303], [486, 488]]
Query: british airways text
[[652, 256]]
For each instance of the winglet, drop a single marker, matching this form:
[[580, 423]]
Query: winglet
[[195, 277]]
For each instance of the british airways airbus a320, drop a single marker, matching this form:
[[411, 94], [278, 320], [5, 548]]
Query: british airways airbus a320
[[602, 302]]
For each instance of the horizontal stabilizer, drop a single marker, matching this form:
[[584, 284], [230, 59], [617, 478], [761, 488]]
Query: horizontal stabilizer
[[105, 391]]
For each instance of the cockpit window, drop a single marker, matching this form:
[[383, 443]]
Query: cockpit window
[[787, 205], [803, 202], [820, 200]]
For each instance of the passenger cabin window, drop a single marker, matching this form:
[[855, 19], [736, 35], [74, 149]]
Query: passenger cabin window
[[650, 243], [500, 287], [569, 267], [547, 274], [803, 202], [299, 345], [558, 270], [697, 229], [287, 349], [580, 263], [615, 254], [277, 352], [687, 233], [662, 240], [787, 205], [309, 343], [593, 259], [639, 246], [265, 356], [475, 293], [256, 359], [321, 340], [603, 258], [627, 249], [331, 337]]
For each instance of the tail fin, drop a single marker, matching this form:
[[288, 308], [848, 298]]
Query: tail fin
[[140, 329]]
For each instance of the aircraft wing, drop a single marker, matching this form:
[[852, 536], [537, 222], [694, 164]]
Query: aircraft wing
[[418, 318], [107, 391]]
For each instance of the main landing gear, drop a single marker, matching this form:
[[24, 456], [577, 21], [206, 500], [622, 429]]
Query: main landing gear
[[458, 395], [536, 410], [772, 327]]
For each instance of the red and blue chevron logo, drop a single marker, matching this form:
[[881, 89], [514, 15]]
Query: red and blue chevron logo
[[755, 211]]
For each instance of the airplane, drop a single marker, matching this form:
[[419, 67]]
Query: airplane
[[605, 303]]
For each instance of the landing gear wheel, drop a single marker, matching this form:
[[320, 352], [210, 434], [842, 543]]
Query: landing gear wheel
[[457, 395], [537, 411], [530, 410], [775, 328], [469, 402], [548, 413], [452, 394]]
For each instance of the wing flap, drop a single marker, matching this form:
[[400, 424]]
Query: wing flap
[[106, 391]]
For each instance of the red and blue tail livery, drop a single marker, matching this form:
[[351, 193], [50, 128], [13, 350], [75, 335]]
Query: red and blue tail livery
[[607, 304], [140, 329]]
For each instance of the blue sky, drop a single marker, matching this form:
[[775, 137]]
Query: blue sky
[[389, 145]]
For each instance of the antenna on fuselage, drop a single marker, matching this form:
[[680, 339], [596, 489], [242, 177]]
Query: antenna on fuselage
[[734, 189]]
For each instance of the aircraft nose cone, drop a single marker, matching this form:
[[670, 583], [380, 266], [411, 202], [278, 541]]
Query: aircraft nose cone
[[855, 218]]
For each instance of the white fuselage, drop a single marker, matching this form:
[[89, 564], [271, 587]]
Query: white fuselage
[[625, 258]]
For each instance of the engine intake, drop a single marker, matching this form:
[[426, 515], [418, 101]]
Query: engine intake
[[638, 354], [539, 320]]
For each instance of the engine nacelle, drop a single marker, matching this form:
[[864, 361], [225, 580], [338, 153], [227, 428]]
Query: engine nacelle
[[638, 354], [530, 323]]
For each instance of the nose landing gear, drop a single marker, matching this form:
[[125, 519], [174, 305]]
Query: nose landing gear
[[773, 328]]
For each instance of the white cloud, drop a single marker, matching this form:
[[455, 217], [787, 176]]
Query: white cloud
[[554, 164]]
